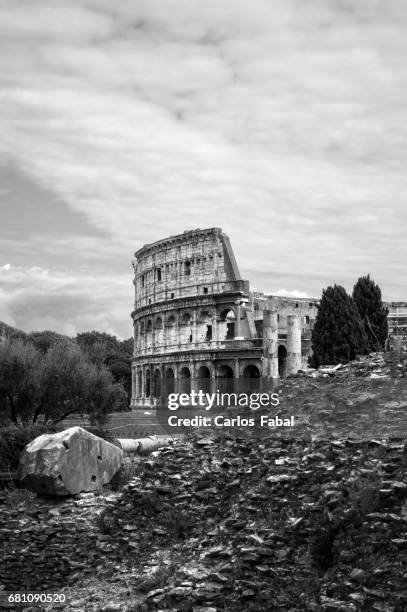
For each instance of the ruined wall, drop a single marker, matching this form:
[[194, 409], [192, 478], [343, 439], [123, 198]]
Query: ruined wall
[[192, 307], [197, 262], [305, 308], [397, 319]]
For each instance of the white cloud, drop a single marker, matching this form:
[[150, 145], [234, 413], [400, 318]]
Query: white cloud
[[289, 293], [283, 123], [36, 299]]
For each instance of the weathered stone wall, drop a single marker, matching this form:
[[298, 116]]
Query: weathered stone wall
[[305, 308], [177, 266], [191, 307], [397, 320]]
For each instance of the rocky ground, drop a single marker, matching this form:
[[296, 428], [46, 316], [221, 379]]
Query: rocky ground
[[311, 519]]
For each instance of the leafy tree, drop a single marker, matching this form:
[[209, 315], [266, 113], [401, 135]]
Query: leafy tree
[[121, 372], [37, 387], [73, 384], [338, 334], [87, 341], [104, 395], [44, 340], [20, 380], [368, 299], [7, 331], [116, 354], [64, 383], [127, 346]]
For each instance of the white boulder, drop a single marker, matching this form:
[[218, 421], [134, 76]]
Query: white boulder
[[68, 462]]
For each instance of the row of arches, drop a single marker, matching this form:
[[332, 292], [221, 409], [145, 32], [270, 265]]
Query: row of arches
[[184, 318], [174, 269], [151, 383], [186, 327]]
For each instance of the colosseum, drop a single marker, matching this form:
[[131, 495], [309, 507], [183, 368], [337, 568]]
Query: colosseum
[[198, 326]]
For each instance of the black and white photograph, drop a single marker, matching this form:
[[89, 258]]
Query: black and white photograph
[[203, 305]]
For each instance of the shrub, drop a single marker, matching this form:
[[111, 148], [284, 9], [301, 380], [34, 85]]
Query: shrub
[[14, 497], [368, 299], [50, 386], [338, 334]]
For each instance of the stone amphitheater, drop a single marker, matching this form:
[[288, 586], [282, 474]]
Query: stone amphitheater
[[198, 326]]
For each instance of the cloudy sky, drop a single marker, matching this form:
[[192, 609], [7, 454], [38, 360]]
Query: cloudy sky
[[281, 121]]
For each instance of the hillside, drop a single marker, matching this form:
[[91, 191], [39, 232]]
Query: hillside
[[9, 331], [312, 520]]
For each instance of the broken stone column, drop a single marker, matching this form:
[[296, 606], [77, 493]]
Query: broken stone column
[[293, 344], [68, 462], [140, 445], [270, 348]]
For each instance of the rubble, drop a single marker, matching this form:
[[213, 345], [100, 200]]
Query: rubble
[[246, 524], [374, 365], [314, 520], [328, 528], [44, 543]]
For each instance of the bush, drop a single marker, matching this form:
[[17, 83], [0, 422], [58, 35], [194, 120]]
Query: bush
[[338, 334], [368, 299], [50, 386], [14, 497]]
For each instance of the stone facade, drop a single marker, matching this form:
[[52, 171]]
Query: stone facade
[[197, 325], [397, 319]]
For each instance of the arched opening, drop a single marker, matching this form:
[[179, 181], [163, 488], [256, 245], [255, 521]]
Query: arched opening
[[169, 381], [282, 361], [185, 318], [228, 323], [204, 326], [148, 383], [204, 379], [225, 379], [185, 380], [251, 376], [185, 328], [157, 383], [204, 316]]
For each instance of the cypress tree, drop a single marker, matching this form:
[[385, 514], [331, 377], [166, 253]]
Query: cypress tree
[[368, 298], [338, 334]]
